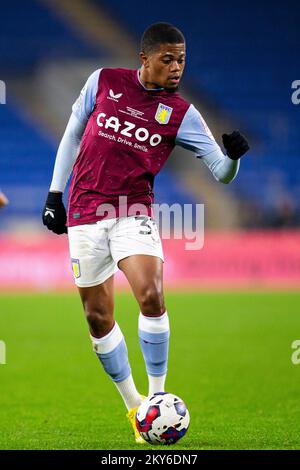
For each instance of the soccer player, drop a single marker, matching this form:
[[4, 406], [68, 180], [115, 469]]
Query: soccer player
[[3, 199], [122, 129]]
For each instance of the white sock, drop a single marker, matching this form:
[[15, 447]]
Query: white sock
[[156, 384], [154, 341], [129, 393]]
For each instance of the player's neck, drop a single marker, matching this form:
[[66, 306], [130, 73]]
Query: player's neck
[[146, 81]]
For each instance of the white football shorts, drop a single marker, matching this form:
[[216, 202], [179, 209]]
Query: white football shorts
[[96, 249]]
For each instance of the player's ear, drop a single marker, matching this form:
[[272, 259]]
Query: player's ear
[[144, 59]]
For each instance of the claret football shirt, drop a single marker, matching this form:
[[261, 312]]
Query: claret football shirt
[[130, 132]]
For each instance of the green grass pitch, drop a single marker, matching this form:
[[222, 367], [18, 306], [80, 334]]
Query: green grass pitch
[[230, 360]]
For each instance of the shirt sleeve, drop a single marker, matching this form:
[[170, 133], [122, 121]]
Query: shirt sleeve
[[194, 134], [67, 153], [222, 167], [85, 103]]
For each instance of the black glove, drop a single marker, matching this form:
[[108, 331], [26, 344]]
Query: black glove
[[235, 144], [54, 214]]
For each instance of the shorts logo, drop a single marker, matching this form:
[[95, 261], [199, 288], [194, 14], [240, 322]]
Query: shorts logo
[[76, 268], [163, 114]]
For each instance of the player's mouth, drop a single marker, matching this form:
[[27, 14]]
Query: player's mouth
[[175, 79]]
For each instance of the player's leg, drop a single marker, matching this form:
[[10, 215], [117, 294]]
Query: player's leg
[[145, 276], [108, 340], [98, 305], [93, 269]]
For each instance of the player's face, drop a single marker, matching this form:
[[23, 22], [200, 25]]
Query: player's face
[[163, 67]]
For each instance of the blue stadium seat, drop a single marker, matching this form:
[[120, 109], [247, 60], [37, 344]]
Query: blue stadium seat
[[31, 33]]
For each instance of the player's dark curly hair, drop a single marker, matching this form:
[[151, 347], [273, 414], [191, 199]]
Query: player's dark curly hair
[[160, 33]]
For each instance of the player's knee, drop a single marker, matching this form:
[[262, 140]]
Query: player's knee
[[151, 301], [99, 319]]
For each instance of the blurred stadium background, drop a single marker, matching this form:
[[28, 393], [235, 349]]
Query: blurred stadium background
[[241, 63], [242, 59]]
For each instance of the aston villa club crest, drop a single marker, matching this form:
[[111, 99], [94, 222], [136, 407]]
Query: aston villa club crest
[[163, 113], [76, 268]]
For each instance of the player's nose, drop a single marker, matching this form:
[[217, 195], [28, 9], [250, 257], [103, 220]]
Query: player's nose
[[175, 67]]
